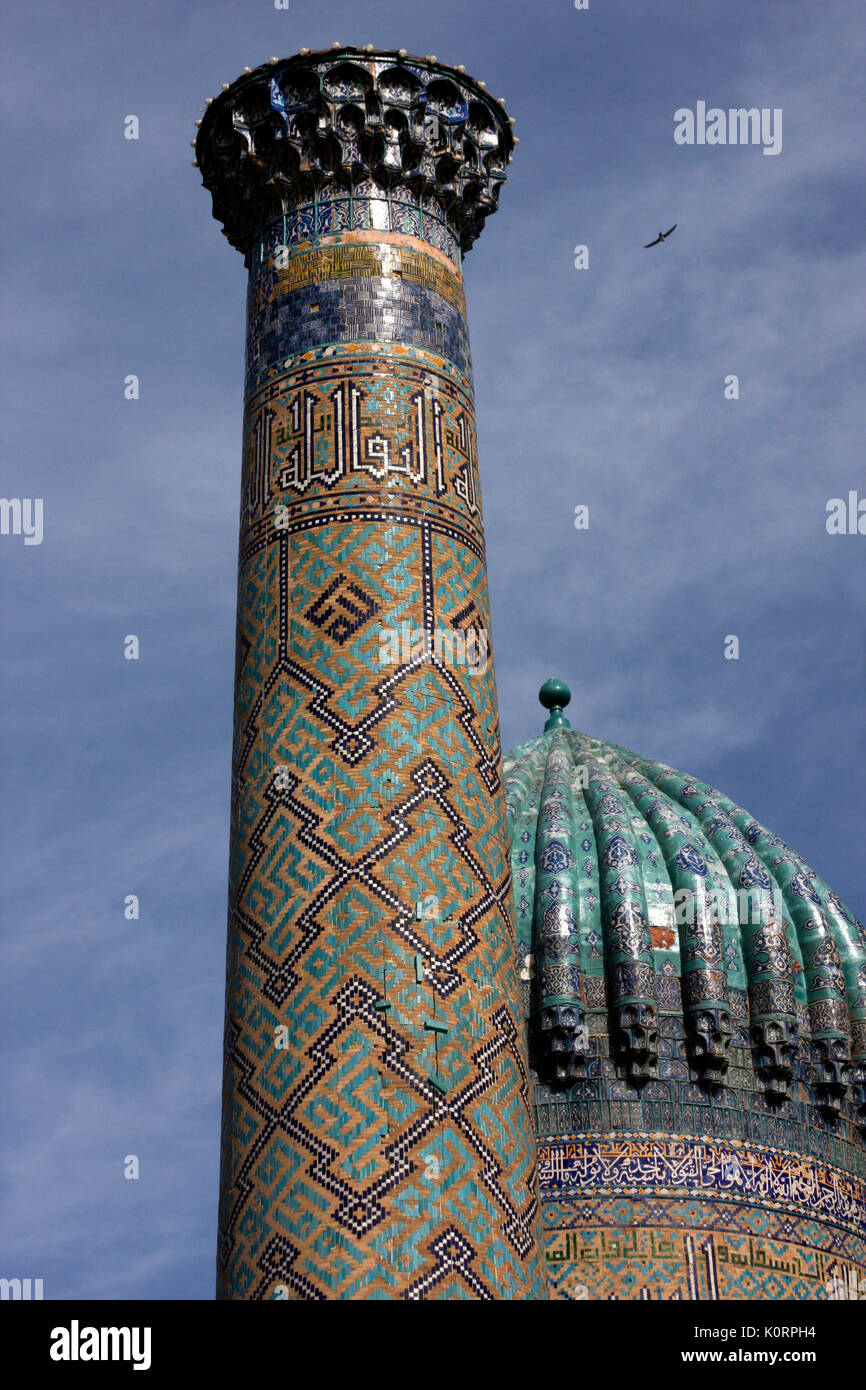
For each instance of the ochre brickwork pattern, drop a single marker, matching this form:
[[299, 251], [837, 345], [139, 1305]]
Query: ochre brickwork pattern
[[380, 1146]]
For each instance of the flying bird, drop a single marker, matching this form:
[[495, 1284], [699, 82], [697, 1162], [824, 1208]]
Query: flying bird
[[661, 237]]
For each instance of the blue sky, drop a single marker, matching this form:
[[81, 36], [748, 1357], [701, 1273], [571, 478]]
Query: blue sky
[[602, 387]]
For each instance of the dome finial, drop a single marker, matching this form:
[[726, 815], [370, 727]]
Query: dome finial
[[554, 696]]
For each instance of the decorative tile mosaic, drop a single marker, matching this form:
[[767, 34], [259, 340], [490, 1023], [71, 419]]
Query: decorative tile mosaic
[[733, 1101], [636, 1164], [383, 213], [638, 1223], [689, 906], [385, 1150], [349, 292], [651, 1248]]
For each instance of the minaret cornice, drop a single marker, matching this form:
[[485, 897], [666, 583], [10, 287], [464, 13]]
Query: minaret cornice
[[344, 118]]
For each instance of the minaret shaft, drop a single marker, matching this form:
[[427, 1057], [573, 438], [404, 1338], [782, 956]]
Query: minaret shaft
[[376, 1132]]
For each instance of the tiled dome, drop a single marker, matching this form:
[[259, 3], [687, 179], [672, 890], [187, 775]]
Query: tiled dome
[[641, 891]]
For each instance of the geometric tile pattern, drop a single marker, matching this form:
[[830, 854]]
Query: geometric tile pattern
[[377, 1139], [386, 1151], [666, 1164], [670, 1217], [658, 1247]]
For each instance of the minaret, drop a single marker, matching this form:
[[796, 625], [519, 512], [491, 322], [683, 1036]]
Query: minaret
[[377, 1140]]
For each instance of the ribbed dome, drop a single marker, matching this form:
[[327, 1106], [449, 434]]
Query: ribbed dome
[[641, 891]]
